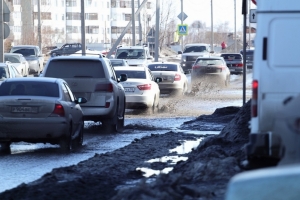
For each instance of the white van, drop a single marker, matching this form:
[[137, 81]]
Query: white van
[[276, 74]]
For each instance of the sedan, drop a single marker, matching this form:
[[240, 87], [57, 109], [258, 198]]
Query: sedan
[[174, 80], [118, 62], [211, 69], [141, 89], [40, 110], [234, 62], [18, 60], [7, 70]]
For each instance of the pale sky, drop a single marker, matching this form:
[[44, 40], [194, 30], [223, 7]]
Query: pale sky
[[223, 10]]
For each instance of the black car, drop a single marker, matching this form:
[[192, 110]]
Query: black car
[[234, 62], [249, 57], [66, 49]]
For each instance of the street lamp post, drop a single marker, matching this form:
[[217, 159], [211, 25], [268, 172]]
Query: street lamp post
[[235, 38], [212, 29]]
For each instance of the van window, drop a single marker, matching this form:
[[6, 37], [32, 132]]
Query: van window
[[282, 48], [189, 49], [130, 54], [74, 68]]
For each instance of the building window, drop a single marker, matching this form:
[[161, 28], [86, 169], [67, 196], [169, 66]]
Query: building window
[[16, 2], [44, 15], [149, 5], [73, 16], [16, 29], [89, 3], [45, 2], [73, 29], [113, 4], [127, 17], [92, 29], [71, 3], [91, 16]]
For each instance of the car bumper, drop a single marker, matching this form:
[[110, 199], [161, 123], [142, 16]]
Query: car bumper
[[136, 101], [92, 112], [33, 129], [236, 70], [168, 87]]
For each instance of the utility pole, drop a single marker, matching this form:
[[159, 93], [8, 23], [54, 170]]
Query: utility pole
[[140, 25], [133, 22], [39, 25], [1, 32], [83, 46], [182, 23], [212, 28], [235, 41], [156, 50]]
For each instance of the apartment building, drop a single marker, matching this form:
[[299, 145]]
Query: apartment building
[[105, 20]]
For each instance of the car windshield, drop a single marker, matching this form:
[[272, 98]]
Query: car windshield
[[162, 67], [24, 51], [12, 59], [248, 52], [75, 68], [30, 88], [194, 49], [205, 62], [231, 56], [131, 74], [130, 54]]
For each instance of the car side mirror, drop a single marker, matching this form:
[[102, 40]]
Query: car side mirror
[[80, 100], [211, 52], [179, 52], [123, 77]]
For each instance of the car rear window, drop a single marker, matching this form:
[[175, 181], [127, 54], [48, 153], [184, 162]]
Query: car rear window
[[162, 67], [29, 88], [117, 63], [75, 69], [24, 51], [204, 62], [232, 56], [132, 74]]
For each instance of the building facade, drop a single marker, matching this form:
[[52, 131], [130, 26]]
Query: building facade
[[105, 20]]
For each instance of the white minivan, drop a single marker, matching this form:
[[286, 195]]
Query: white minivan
[[276, 75]]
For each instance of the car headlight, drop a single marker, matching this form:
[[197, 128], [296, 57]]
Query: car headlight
[[183, 59]]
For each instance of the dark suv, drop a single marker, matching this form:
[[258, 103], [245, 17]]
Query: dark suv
[[249, 57], [66, 49]]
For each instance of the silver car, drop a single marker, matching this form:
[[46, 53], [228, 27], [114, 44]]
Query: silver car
[[39, 110], [94, 78], [211, 69], [174, 80], [118, 62]]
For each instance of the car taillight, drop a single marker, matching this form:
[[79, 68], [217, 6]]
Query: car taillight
[[196, 66], [58, 111], [240, 65], [254, 98], [144, 87], [177, 77], [104, 87]]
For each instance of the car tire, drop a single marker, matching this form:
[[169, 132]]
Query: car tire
[[65, 143], [5, 148]]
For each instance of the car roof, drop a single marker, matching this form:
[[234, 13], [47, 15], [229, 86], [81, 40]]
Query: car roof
[[196, 44], [212, 57], [13, 54], [231, 54], [130, 68], [116, 59], [31, 46], [132, 47], [77, 57], [38, 79]]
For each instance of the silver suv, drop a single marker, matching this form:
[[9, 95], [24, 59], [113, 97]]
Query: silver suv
[[94, 78]]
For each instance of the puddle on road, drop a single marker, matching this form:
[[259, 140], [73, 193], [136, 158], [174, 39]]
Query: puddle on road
[[184, 148]]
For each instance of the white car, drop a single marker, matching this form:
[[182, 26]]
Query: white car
[[174, 80], [141, 89], [17, 60]]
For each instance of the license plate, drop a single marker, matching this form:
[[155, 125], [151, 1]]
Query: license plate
[[24, 109], [129, 89]]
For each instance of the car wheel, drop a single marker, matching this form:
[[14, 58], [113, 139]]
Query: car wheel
[[5, 147], [154, 108], [121, 120], [66, 142]]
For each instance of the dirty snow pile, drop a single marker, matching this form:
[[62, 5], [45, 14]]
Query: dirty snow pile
[[208, 169]]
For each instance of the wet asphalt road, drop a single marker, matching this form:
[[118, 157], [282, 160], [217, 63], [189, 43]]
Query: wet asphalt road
[[28, 162]]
